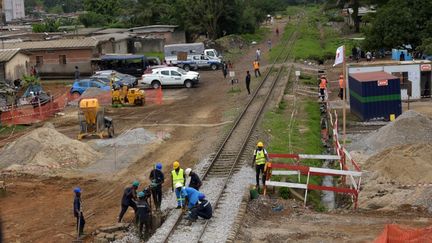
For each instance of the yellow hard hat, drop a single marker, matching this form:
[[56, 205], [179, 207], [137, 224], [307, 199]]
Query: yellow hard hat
[[260, 144], [176, 164]]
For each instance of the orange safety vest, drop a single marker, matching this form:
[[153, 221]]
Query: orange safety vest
[[341, 83], [323, 83], [256, 65]]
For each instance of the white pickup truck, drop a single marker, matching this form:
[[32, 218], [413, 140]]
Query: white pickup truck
[[170, 76], [171, 51]]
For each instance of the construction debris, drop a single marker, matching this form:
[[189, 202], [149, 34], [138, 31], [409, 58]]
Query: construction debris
[[45, 149], [410, 127], [111, 233]]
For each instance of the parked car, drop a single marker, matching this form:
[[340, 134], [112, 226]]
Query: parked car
[[170, 76], [121, 78], [80, 86]]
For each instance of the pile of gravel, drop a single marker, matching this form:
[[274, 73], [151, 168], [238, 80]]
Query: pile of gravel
[[410, 127], [137, 136]]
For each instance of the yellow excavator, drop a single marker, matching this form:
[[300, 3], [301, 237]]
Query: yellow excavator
[[127, 96], [92, 120]]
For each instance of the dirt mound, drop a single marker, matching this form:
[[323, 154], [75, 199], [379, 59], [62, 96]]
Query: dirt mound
[[410, 127], [93, 92], [230, 42], [407, 164], [44, 149]]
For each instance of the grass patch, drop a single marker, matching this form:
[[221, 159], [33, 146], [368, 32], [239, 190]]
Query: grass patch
[[234, 90], [259, 35], [160, 55], [6, 130], [280, 47], [307, 80]]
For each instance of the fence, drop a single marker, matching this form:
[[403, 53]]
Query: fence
[[37, 112], [396, 233], [297, 169]]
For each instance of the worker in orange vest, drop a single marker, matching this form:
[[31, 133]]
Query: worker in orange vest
[[341, 86], [256, 67], [323, 87]]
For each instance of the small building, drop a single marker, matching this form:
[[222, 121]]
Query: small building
[[58, 58], [152, 38], [14, 63], [415, 76], [114, 43], [374, 95]]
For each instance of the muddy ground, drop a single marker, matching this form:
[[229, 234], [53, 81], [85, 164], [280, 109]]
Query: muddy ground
[[190, 122]]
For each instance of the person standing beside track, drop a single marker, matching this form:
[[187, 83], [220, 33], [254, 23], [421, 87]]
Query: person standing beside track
[[195, 181], [80, 221], [323, 88], [260, 159], [128, 200], [178, 178], [248, 80], [157, 178]]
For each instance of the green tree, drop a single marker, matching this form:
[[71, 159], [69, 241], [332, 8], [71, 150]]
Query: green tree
[[49, 25], [400, 22], [110, 9], [92, 19]]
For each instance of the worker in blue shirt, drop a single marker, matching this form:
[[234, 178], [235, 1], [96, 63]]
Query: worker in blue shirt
[[191, 194], [202, 209], [128, 199], [143, 214], [78, 211]]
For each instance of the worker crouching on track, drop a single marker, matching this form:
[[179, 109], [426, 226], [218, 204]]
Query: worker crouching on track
[[178, 178], [260, 159], [143, 214], [78, 212], [129, 195], [202, 209], [157, 178], [195, 181]]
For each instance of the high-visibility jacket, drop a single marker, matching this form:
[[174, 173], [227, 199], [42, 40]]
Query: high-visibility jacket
[[178, 177], [260, 157], [256, 65], [341, 83], [323, 83]]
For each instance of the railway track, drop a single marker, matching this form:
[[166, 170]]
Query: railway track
[[233, 151]]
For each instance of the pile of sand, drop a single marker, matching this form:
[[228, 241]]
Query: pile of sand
[[46, 148], [405, 164], [409, 128]]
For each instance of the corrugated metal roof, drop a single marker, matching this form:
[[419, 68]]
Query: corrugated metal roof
[[111, 31], [154, 28], [54, 44], [115, 36], [7, 54], [372, 76]]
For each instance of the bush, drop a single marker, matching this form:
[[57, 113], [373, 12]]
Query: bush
[[284, 192]]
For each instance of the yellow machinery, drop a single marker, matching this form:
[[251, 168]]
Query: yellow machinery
[[129, 96], [93, 121]]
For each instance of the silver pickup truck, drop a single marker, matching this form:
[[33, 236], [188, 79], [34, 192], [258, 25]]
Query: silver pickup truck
[[199, 62]]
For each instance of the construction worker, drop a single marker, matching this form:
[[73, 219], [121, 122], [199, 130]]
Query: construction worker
[[202, 209], [178, 177], [191, 194], [128, 199], [260, 158], [341, 86], [195, 181], [143, 214], [256, 67], [78, 211], [323, 87], [157, 178]]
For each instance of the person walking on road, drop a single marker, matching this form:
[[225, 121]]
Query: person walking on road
[[277, 31], [341, 87], [178, 178], [224, 69], [323, 87], [157, 178], [269, 44], [258, 54], [195, 181], [256, 67], [202, 209], [128, 200], [77, 204], [248, 80], [143, 215], [260, 159], [77, 73]]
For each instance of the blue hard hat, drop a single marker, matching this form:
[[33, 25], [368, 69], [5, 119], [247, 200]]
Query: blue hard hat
[[158, 166], [201, 196], [77, 190], [141, 194], [135, 183]]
